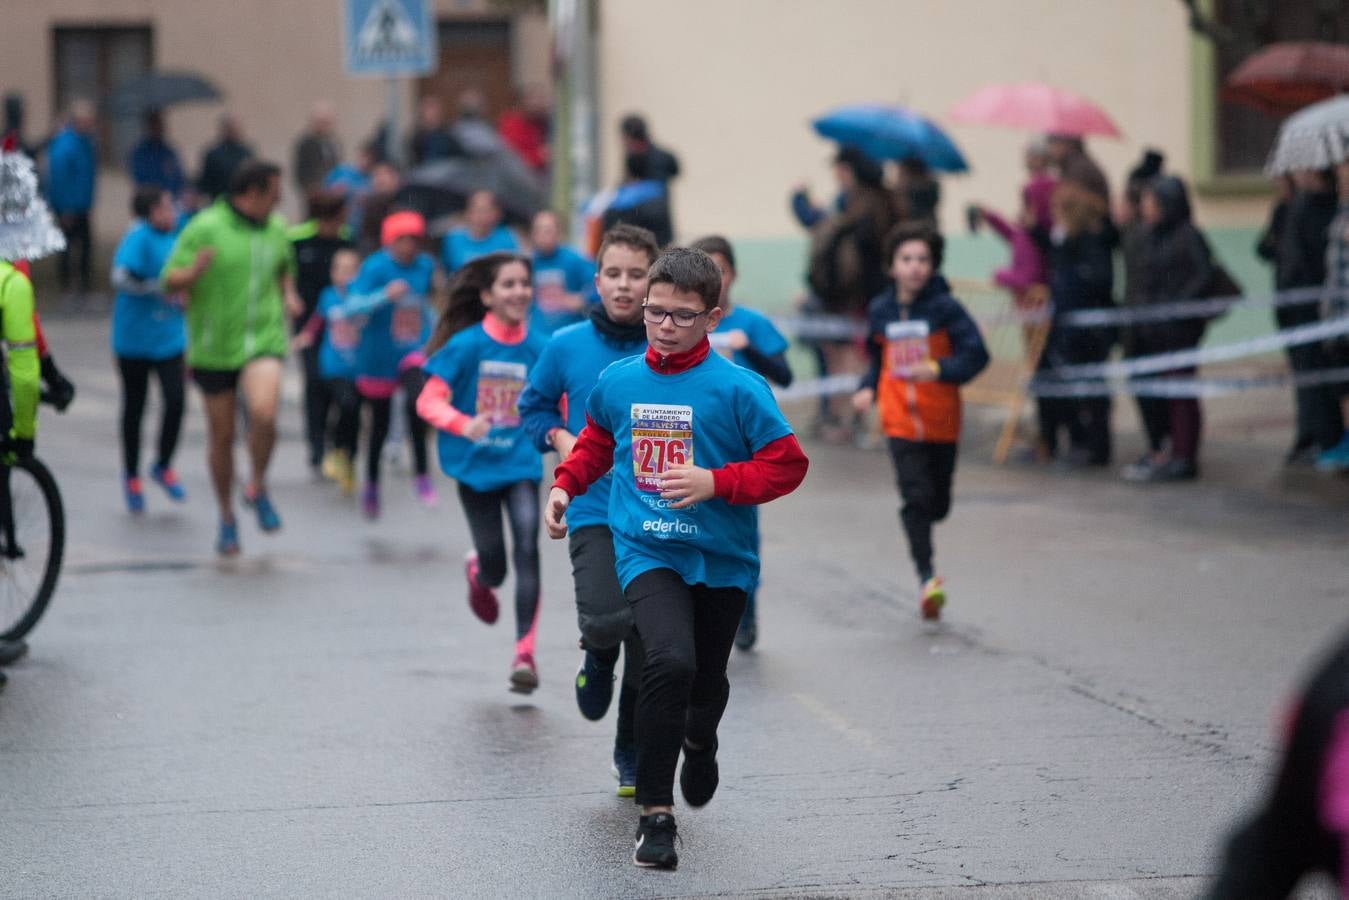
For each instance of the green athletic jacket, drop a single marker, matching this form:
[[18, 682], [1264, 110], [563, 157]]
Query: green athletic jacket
[[16, 322], [235, 312]]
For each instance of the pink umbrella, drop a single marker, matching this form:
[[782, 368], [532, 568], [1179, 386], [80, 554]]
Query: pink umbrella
[[1036, 107]]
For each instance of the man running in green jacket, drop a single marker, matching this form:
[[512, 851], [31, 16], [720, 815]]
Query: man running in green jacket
[[236, 265]]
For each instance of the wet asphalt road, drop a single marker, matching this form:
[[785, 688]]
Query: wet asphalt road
[[326, 717]]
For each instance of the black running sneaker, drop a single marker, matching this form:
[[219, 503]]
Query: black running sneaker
[[655, 846], [699, 776], [594, 688]]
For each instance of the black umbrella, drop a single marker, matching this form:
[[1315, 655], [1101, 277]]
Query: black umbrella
[[157, 90], [442, 187]]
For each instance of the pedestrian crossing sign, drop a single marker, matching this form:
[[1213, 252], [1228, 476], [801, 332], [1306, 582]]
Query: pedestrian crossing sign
[[390, 37]]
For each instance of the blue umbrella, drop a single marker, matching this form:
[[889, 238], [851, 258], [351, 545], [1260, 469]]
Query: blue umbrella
[[891, 132]]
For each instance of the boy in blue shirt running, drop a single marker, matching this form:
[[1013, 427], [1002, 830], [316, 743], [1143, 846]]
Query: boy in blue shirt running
[[684, 533], [564, 279], [563, 378], [482, 233], [747, 338]]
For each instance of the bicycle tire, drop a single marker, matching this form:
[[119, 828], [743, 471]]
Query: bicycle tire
[[56, 518]]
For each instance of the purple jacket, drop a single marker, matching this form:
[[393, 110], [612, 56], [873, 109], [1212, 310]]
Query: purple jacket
[[1028, 264]]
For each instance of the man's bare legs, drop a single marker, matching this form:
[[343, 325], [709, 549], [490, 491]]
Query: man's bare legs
[[260, 384], [220, 415]]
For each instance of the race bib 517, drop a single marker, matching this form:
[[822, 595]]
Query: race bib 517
[[499, 387], [662, 436]]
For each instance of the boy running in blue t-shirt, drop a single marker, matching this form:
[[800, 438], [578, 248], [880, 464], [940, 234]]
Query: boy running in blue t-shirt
[[748, 338], [684, 534], [562, 381], [564, 280]]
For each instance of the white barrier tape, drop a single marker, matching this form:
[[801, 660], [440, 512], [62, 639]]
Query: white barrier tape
[[1193, 309], [844, 328], [1188, 359], [1189, 387], [810, 388]]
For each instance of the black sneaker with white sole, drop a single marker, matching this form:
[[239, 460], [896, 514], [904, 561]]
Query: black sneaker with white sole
[[655, 845], [699, 775]]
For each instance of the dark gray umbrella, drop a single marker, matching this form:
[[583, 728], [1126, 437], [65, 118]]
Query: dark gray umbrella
[[443, 187], [157, 90]]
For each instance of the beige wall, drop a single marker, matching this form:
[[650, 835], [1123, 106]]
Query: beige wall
[[272, 58], [731, 87]]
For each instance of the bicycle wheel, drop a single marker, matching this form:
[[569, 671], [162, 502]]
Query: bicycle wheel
[[32, 542]]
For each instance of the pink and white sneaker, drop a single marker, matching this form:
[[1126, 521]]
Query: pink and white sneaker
[[482, 600], [524, 674]]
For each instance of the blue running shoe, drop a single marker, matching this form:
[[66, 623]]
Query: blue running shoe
[[625, 770], [268, 520], [594, 688], [227, 544], [135, 499], [168, 480], [1336, 459]]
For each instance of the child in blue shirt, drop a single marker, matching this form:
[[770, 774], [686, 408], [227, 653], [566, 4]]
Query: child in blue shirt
[[748, 338], [148, 336], [694, 442], [480, 356], [481, 233], [338, 333], [393, 288], [564, 280], [553, 408]]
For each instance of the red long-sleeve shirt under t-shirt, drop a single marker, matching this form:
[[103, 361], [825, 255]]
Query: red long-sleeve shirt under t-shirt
[[774, 470]]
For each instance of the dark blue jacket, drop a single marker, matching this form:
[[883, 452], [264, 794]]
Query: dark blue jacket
[[72, 166]]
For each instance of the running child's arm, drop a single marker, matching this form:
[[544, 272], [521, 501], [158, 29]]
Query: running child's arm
[[775, 469], [591, 456], [433, 405], [539, 403], [968, 354], [866, 387], [773, 367]]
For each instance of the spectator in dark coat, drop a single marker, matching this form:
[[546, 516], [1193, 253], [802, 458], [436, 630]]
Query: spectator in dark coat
[[222, 158], [1179, 267], [1081, 277], [1155, 412], [154, 162], [317, 151], [642, 201], [1296, 244], [432, 139], [658, 163]]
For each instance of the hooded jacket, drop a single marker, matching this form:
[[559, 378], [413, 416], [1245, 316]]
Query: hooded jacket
[[922, 411], [1179, 266]]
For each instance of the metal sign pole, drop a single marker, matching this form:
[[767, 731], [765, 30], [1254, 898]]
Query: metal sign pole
[[393, 101]]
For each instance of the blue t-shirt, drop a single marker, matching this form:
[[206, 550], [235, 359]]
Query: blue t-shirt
[[339, 352], [145, 325], [565, 271], [711, 415], [393, 329], [569, 367], [459, 246], [762, 333], [487, 376]]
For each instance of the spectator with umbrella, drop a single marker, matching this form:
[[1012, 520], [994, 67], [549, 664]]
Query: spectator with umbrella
[[432, 139], [154, 162], [317, 151], [222, 158]]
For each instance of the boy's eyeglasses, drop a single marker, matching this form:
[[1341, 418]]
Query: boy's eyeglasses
[[654, 315]]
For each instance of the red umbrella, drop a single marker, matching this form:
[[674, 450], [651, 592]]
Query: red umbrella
[[1036, 107], [1283, 78]]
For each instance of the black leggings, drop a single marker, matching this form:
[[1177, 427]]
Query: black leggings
[[381, 413], [686, 632], [347, 427], [135, 387], [604, 617], [925, 472], [318, 400], [483, 510]]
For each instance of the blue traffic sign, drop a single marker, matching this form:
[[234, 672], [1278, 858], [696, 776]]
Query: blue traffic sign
[[390, 37]]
